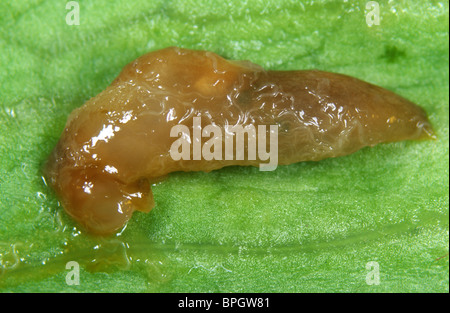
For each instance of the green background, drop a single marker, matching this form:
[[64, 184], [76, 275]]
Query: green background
[[306, 227]]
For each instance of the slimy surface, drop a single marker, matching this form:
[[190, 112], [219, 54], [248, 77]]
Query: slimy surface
[[119, 142]]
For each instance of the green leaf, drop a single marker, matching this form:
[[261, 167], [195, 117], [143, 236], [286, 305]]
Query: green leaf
[[306, 227]]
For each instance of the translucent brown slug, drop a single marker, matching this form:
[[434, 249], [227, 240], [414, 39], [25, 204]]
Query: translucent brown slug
[[119, 142]]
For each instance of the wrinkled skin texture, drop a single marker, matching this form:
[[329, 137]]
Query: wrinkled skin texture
[[116, 144]]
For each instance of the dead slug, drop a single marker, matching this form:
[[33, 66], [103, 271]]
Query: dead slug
[[182, 110]]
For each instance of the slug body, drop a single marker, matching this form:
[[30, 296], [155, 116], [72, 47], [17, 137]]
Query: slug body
[[120, 141]]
